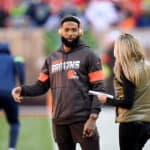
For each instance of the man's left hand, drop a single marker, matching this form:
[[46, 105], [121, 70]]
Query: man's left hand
[[89, 128]]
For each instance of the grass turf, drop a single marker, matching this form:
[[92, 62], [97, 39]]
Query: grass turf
[[35, 134]]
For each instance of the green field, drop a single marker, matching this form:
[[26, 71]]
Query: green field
[[35, 134]]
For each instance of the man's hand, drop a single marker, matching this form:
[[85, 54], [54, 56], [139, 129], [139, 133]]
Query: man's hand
[[89, 128], [16, 92]]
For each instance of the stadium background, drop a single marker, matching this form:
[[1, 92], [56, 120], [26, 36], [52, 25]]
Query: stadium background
[[35, 41]]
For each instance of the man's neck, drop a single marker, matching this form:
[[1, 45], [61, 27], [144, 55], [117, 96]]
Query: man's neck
[[66, 49]]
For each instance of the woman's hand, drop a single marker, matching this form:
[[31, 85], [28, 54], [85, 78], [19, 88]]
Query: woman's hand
[[102, 99]]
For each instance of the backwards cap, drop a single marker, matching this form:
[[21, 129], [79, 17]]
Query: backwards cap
[[70, 18]]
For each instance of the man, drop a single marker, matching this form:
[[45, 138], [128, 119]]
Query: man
[[70, 72], [10, 68]]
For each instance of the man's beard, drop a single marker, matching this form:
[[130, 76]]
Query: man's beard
[[70, 44]]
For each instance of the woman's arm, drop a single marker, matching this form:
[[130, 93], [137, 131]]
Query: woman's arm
[[127, 102]]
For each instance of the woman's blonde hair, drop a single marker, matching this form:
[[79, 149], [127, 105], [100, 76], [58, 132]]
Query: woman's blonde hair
[[128, 52]]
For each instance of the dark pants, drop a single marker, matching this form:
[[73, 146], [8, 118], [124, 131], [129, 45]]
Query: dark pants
[[134, 135], [67, 136], [11, 111]]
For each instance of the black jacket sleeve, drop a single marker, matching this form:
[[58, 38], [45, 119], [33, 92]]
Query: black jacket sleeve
[[36, 89], [129, 92], [96, 80]]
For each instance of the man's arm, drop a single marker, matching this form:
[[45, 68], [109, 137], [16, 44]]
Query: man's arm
[[96, 80], [36, 89], [41, 86]]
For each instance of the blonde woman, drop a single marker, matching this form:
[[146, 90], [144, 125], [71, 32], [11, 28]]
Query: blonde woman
[[132, 88]]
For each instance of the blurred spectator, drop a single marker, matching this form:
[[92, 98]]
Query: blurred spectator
[[145, 4], [80, 4], [108, 60], [144, 19], [101, 14], [128, 21], [7, 4], [38, 13], [108, 63], [68, 9], [10, 68], [135, 6], [4, 16], [56, 5], [17, 14]]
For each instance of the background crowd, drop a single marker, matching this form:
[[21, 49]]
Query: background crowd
[[98, 14]]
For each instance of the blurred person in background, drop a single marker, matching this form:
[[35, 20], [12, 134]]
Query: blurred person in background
[[128, 21], [17, 11], [10, 68], [132, 88], [38, 13], [144, 19], [108, 59], [73, 66], [101, 15], [68, 9], [4, 16]]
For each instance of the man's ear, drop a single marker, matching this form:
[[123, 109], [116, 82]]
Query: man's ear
[[60, 31], [80, 31]]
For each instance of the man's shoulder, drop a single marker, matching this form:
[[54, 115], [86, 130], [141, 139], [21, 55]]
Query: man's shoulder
[[53, 54], [89, 51], [86, 48]]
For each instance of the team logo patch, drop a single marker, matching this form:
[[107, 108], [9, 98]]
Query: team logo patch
[[71, 74]]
